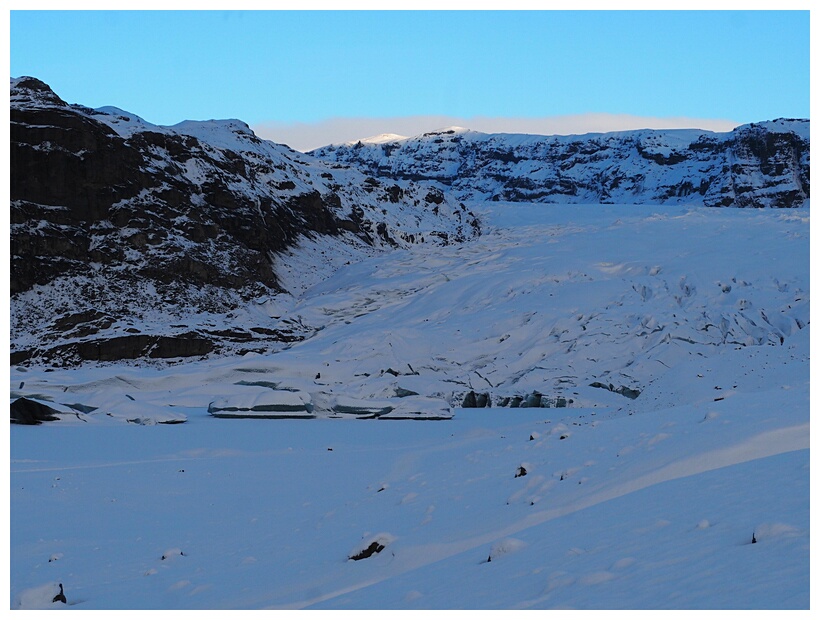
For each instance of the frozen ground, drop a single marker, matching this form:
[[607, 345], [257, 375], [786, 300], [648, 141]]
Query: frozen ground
[[649, 502]]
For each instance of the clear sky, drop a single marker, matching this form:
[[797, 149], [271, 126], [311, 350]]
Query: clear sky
[[373, 72]]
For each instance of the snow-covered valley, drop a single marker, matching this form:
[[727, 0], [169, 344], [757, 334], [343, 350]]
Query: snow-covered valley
[[618, 399]]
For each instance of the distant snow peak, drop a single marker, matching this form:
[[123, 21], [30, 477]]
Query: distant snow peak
[[384, 138], [453, 129], [381, 138]]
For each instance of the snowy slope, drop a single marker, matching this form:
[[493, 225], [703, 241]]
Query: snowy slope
[[552, 306], [655, 510], [759, 165], [565, 298], [645, 502]]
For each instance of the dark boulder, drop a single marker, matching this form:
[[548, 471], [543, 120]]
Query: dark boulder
[[60, 596], [372, 549], [26, 411]]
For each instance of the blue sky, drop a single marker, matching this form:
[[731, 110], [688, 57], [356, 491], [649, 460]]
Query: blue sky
[[319, 71]]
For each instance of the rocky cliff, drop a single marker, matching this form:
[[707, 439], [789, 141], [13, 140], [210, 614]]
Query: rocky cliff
[[759, 165], [118, 224]]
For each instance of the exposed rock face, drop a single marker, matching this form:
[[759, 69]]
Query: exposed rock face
[[114, 219], [134, 346], [758, 165]]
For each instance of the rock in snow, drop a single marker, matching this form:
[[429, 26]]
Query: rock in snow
[[372, 546], [503, 547], [170, 554], [46, 596], [29, 411]]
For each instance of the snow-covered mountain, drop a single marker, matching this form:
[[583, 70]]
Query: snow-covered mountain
[[759, 165], [594, 406], [130, 239]]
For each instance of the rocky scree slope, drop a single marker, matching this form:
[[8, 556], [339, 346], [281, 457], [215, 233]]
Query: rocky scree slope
[[133, 240], [759, 165]]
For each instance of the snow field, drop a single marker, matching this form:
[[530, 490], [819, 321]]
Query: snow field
[[626, 503], [266, 514]]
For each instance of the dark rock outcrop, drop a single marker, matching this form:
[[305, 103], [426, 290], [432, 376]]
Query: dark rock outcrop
[[476, 400], [372, 549], [83, 194], [31, 412]]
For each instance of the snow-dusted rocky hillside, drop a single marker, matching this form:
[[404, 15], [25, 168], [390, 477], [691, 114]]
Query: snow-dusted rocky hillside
[[759, 165], [133, 240], [647, 444]]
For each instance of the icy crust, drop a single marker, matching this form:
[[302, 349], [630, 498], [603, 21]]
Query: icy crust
[[262, 403]]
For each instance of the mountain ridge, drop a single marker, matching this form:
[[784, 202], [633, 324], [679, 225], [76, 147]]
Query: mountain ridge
[[762, 164], [114, 218], [136, 241]]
